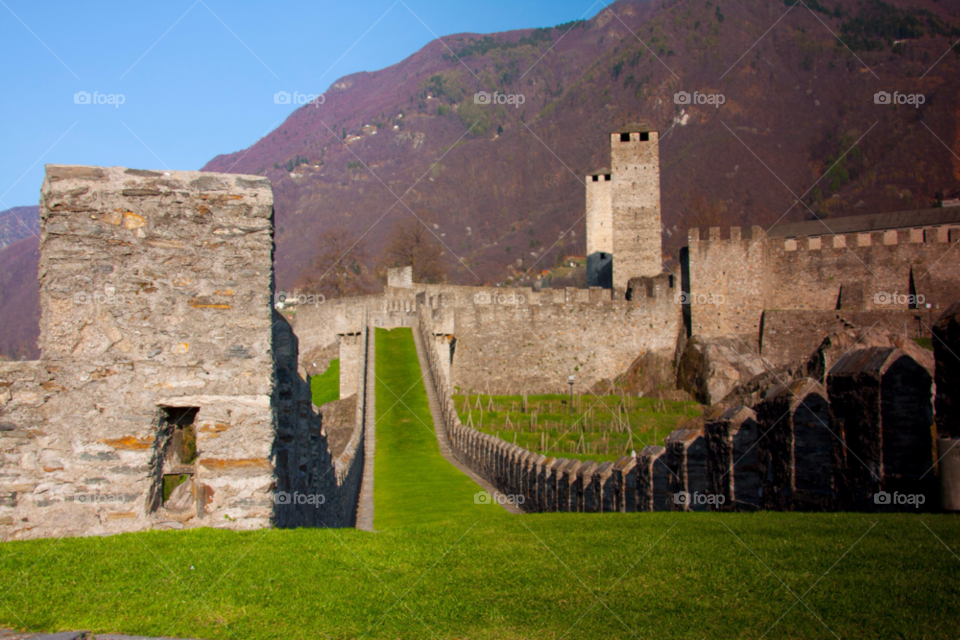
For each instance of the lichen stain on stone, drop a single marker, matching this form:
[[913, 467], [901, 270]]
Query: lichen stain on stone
[[132, 220], [129, 443]]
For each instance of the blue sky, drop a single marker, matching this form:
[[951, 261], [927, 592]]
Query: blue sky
[[197, 77]]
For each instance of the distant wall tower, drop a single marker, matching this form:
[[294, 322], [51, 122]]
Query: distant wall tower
[[635, 198], [599, 229]]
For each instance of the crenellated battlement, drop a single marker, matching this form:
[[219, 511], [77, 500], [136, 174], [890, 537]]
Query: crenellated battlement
[[731, 234], [861, 269]]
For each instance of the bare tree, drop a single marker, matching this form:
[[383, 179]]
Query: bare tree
[[338, 271], [413, 244]]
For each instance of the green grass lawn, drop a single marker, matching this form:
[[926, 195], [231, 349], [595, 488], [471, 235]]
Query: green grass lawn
[[441, 566], [610, 426], [660, 575], [413, 483], [325, 387]]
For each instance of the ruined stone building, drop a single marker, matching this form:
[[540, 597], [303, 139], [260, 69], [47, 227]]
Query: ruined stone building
[[168, 393]]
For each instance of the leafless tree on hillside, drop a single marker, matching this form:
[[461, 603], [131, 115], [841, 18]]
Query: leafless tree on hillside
[[338, 271], [413, 244]]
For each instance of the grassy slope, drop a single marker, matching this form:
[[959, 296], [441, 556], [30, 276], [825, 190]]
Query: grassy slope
[[473, 571], [648, 424], [511, 577], [413, 483], [326, 387]]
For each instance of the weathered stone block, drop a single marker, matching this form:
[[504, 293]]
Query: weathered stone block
[[946, 347], [799, 453], [732, 470], [881, 403]]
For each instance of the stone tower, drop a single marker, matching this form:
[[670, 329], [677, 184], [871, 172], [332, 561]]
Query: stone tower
[[635, 203], [599, 229]]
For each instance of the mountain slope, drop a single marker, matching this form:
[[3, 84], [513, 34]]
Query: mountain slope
[[19, 300], [17, 223], [795, 103]]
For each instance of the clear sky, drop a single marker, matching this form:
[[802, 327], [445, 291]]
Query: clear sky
[[197, 77]]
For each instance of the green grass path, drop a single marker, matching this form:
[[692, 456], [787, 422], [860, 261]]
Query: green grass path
[[413, 483], [325, 387], [514, 577], [441, 566]]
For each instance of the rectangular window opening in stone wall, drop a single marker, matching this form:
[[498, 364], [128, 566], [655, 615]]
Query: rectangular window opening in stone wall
[[624, 137], [596, 178], [644, 137], [175, 490]]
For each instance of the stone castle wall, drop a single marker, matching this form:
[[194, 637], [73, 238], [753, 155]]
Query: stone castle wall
[[800, 467], [155, 292], [732, 280], [790, 337], [506, 339]]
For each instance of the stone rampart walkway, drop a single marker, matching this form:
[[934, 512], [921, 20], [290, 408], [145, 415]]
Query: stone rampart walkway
[[442, 437], [365, 506]]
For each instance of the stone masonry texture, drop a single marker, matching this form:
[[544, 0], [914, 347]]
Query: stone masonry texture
[[157, 320]]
